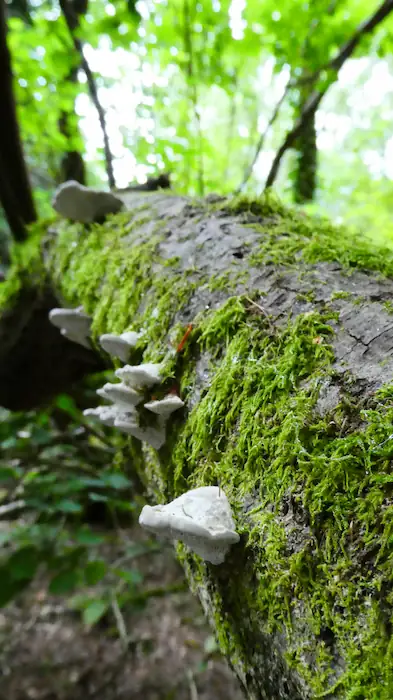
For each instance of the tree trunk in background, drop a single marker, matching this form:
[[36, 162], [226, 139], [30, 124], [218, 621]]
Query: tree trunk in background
[[72, 164], [15, 190], [305, 174], [286, 378]]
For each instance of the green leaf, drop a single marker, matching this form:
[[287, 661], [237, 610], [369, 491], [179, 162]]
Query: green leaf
[[9, 443], [94, 610], [23, 563], [95, 571], [87, 537], [8, 473], [9, 587], [99, 497], [67, 506], [68, 405], [115, 480], [64, 582], [132, 576]]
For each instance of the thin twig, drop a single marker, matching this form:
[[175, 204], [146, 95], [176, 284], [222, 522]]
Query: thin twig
[[262, 139], [231, 128], [261, 309], [68, 16], [316, 97], [120, 623], [194, 695], [293, 83], [193, 92]]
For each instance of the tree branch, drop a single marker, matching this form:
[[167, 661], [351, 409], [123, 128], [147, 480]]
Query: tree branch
[[316, 97], [68, 14], [262, 139], [193, 91]]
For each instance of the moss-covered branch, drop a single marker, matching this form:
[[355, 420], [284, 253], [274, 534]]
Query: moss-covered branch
[[286, 376]]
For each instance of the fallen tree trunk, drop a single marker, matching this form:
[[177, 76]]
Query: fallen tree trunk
[[286, 376]]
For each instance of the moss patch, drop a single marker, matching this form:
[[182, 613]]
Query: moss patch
[[26, 270], [289, 237], [121, 284], [255, 432]]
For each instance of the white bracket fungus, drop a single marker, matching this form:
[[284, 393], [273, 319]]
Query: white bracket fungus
[[128, 394], [120, 394], [153, 436], [119, 345], [108, 414], [140, 376], [74, 324], [200, 518], [84, 204], [165, 406]]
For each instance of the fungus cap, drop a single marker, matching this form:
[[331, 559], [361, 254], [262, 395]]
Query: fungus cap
[[119, 345], [155, 437], [164, 407], [140, 376], [120, 394], [85, 204], [201, 518], [76, 338], [109, 414], [70, 319]]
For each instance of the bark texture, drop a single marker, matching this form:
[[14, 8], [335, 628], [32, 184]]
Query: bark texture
[[286, 377]]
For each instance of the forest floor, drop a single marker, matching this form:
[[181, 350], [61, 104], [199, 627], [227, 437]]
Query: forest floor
[[46, 653]]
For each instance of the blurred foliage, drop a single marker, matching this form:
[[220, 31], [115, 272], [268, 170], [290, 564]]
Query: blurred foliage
[[189, 87], [61, 508]]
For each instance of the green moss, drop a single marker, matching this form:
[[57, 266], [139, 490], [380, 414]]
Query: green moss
[[388, 305], [121, 284], [306, 296], [256, 432], [288, 236], [26, 271], [341, 295]]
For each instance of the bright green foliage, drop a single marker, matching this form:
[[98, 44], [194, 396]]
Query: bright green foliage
[[194, 85], [57, 467]]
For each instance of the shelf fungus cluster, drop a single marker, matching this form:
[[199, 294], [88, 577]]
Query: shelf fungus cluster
[[74, 324], [201, 518], [84, 204], [121, 345], [132, 410]]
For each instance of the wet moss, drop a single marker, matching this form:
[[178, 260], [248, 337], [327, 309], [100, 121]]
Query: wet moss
[[288, 237], [26, 270], [316, 550], [255, 432]]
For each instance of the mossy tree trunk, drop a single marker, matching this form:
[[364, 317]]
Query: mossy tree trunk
[[286, 377], [306, 167]]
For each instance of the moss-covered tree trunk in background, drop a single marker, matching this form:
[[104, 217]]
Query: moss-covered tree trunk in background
[[305, 175], [287, 381]]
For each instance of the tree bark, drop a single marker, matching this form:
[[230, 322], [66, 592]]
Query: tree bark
[[306, 169], [286, 377], [15, 190], [72, 163]]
